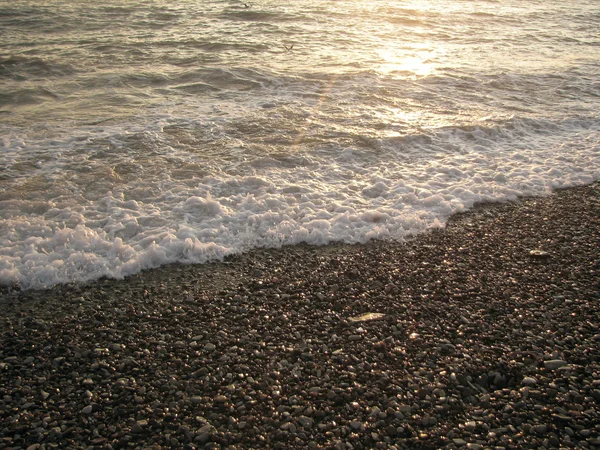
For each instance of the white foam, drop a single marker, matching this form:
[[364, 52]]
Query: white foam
[[143, 223]]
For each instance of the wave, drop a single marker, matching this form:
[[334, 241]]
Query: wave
[[407, 21], [22, 97], [166, 205], [21, 68], [249, 15]]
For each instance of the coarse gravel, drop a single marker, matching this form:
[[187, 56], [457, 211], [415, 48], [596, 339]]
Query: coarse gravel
[[485, 334]]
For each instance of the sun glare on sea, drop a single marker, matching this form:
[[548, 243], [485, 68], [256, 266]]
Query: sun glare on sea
[[418, 64]]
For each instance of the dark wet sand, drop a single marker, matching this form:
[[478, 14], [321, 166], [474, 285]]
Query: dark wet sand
[[489, 338]]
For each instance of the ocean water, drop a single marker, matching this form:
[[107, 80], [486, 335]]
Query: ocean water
[[135, 134]]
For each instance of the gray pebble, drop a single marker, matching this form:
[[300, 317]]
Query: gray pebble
[[528, 381], [554, 364]]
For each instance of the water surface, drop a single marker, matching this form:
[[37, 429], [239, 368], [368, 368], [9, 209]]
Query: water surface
[[141, 133]]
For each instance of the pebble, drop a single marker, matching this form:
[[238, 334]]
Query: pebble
[[528, 381], [306, 422], [367, 317], [356, 425], [540, 254], [139, 426], [470, 425], [554, 364], [288, 426]]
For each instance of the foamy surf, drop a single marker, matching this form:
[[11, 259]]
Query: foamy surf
[[397, 188]]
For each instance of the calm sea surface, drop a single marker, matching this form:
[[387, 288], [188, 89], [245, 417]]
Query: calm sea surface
[[138, 133]]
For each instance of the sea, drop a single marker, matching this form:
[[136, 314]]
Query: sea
[[140, 133]]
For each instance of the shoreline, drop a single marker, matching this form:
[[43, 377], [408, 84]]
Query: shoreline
[[235, 269], [488, 337]]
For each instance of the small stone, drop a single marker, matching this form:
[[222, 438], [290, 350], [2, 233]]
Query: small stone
[[206, 428], [374, 411], [539, 254], [356, 425], [220, 399], [554, 364], [87, 409], [440, 393], [448, 348], [210, 347], [429, 421], [470, 425], [306, 422], [288, 426], [139, 426], [202, 437], [196, 399], [528, 381], [366, 317], [563, 417]]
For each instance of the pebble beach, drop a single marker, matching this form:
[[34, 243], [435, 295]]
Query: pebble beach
[[484, 334]]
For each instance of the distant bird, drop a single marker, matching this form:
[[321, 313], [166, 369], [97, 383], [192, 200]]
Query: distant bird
[[289, 49], [246, 5]]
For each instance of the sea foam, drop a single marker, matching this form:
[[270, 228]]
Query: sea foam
[[388, 191]]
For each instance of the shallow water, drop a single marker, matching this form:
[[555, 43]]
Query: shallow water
[[138, 134]]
